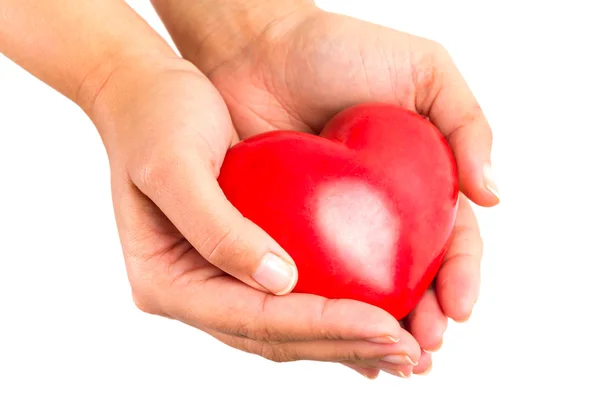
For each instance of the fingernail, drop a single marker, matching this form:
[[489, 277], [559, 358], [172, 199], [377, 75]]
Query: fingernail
[[395, 373], [276, 275], [398, 359], [384, 340], [489, 181]]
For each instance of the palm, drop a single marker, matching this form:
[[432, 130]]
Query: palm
[[323, 65]]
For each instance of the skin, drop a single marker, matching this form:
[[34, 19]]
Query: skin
[[290, 65], [166, 123]]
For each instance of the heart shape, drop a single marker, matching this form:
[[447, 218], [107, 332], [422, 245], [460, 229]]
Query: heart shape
[[366, 209]]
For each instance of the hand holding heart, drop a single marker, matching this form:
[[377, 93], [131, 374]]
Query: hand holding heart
[[193, 256], [306, 67]]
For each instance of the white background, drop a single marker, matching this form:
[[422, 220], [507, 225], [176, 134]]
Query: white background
[[68, 327]]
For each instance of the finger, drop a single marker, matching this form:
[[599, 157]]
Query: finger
[[182, 183], [403, 371], [370, 373], [146, 236], [457, 282], [427, 322], [348, 351], [423, 367], [443, 95], [396, 369], [229, 306], [425, 364]]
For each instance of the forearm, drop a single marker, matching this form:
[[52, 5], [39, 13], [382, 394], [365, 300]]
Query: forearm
[[73, 45], [210, 31]]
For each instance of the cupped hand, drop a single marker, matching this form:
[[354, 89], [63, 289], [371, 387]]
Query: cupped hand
[[190, 255], [304, 66]]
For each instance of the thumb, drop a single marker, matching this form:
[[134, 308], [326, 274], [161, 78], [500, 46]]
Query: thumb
[[181, 182], [444, 96]]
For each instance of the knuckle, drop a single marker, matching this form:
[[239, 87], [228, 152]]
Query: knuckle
[[441, 50], [244, 330], [222, 244], [254, 330], [155, 171], [437, 50], [265, 334], [264, 330], [428, 71], [267, 351], [351, 355], [276, 354], [144, 300], [468, 117], [426, 78], [320, 325], [143, 290]]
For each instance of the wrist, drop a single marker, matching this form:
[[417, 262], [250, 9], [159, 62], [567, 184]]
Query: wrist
[[115, 70], [73, 51], [209, 33], [116, 89]]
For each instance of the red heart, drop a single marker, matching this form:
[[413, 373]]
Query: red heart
[[366, 209]]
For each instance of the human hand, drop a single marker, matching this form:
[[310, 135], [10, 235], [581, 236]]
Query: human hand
[[166, 130], [289, 65], [189, 254]]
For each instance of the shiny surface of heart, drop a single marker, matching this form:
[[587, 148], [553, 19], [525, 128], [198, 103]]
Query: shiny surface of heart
[[366, 209]]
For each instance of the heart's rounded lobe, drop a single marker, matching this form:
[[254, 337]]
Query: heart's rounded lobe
[[366, 209]]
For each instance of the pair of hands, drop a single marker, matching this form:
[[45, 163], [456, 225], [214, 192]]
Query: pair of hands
[[192, 257]]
